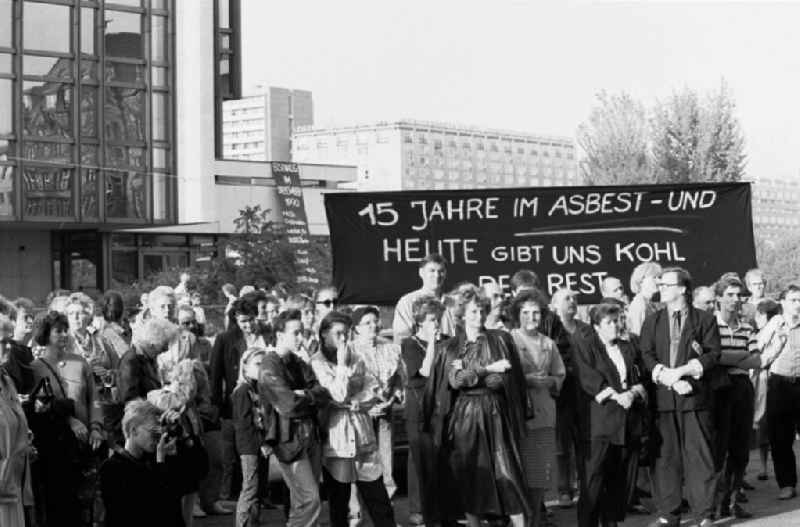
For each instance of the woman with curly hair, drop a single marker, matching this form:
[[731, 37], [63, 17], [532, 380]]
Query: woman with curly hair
[[544, 375], [65, 422]]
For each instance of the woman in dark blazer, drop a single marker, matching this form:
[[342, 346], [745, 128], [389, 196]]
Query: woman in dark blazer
[[608, 370]]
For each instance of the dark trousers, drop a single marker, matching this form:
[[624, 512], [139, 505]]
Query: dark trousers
[[686, 455], [609, 475], [422, 497], [733, 416], [783, 420], [568, 443], [373, 494]]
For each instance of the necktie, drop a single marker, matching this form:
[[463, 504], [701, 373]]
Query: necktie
[[674, 337]]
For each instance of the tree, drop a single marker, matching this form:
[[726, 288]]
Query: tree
[[615, 142], [724, 158], [697, 141], [676, 126], [681, 139]]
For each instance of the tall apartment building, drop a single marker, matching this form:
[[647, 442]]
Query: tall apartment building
[[259, 127], [410, 154], [776, 207], [110, 128]]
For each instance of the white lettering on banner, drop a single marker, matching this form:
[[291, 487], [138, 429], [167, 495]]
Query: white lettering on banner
[[525, 207], [501, 280], [691, 200], [568, 254], [647, 252], [469, 209], [597, 203], [455, 250], [586, 283], [517, 253]]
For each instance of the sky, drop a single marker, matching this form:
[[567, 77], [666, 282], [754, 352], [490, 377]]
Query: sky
[[533, 66]]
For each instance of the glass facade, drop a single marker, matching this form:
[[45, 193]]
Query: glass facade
[[86, 111]]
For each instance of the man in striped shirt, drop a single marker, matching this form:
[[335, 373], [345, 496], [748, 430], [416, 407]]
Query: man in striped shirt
[[734, 396]]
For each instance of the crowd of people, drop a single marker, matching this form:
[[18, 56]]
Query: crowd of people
[[114, 415]]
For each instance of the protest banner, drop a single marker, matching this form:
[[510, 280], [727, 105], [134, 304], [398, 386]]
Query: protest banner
[[570, 236], [293, 211]]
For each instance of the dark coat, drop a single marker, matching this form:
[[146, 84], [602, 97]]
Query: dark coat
[[439, 396], [596, 372], [19, 366], [290, 419], [138, 374], [699, 330], [225, 357], [140, 492]]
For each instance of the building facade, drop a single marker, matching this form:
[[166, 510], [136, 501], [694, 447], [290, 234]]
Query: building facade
[[110, 126], [259, 127], [776, 208], [411, 154]]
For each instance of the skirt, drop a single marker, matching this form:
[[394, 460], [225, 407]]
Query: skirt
[[484, 457], [538, 450]]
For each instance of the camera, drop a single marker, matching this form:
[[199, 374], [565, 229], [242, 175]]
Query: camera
[[172, 429]]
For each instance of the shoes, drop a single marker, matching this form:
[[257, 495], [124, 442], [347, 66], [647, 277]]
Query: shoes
[[706, 522], [747, 486], [416, 519], [740, 496], [197, 512], [762, 477], [787, 493], [219, 509], [565, 501]]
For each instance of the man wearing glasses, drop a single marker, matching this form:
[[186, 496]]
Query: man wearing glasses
[[325, 302], [432, 271], [680, 345]]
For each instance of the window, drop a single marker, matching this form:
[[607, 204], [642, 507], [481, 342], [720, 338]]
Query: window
[[88, 30], [47, 109], [6, 20], [160, 117], [56, 18], [47, 67], [6, 106], [123, 35], [158, 38]]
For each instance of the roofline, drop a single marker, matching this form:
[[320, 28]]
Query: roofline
[[413, 124]]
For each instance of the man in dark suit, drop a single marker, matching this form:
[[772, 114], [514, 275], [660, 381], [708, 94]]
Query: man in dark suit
[[608, 371], [680, 347]]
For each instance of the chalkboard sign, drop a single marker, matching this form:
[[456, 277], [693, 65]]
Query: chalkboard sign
[[570, 236]]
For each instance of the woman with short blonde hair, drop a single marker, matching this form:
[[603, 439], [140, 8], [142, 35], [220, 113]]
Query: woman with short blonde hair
[[644, 286]]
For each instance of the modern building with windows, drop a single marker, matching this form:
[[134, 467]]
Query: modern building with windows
[[259, 127], [111, 143], [410, 154], [776, 208]]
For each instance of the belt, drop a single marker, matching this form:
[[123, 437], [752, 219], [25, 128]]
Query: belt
[[787, 378]]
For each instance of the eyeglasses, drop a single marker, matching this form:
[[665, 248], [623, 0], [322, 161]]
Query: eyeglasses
[[662, 284], [329, 302], [187, 323]]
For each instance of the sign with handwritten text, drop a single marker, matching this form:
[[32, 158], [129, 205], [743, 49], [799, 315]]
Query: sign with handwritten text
[[570, 236], [293, 211]]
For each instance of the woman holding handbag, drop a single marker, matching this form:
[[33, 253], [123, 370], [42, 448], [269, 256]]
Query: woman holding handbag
[[65, 427]]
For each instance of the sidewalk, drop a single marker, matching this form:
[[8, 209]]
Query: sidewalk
[[767, 510]]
